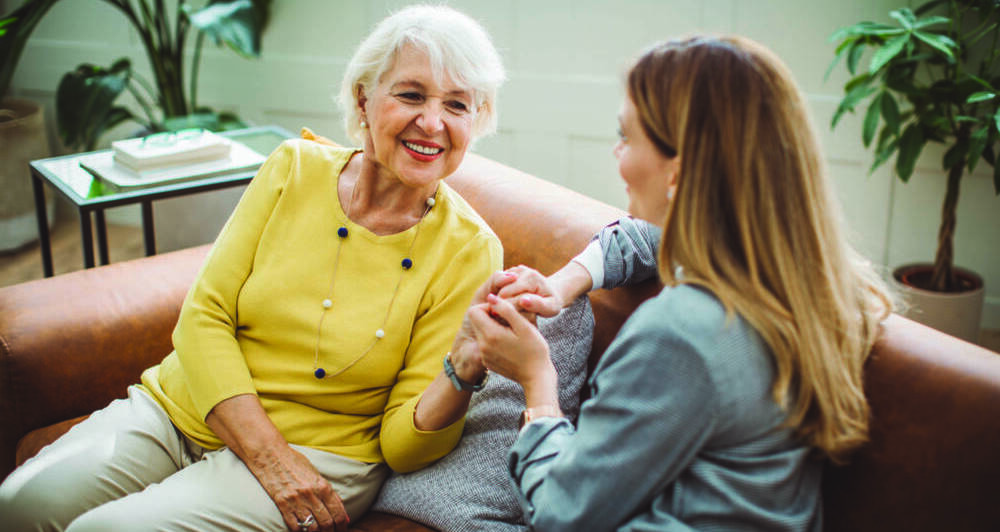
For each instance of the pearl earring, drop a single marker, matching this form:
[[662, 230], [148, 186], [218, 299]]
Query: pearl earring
[[364, 125]]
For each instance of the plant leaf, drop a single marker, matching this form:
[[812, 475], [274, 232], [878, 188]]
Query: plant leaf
[[852, 98], [991, 138], [854, 55], [940, 43], [980, 97], [986, 85], [17, 26], [905, 17], [887, 144], [929, 21], [996, 120], [233, 22], [887, 52], [871, 120], [84, 101], [857, 81], [976, 145], [910, 145], [890, 111], [838, 53], [865, 29]]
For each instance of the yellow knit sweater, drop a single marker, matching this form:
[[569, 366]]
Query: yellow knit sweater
[[249, 323]]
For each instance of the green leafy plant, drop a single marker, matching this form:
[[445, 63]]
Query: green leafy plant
[[932, 76], [86, 97], [15, 28]]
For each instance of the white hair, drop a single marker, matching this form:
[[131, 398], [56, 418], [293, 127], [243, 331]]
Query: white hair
[[456, 45]]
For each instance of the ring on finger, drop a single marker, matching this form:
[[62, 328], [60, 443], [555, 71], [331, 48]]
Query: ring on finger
[[307, 522]]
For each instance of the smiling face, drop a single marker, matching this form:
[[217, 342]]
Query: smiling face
[[650, 176], [418, 128]]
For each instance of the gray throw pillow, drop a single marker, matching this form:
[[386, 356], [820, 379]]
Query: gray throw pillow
[[469, 489]]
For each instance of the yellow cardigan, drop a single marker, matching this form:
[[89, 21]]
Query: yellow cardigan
[[249, 323]]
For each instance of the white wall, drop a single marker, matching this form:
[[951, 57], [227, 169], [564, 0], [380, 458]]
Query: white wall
[[565, 59]]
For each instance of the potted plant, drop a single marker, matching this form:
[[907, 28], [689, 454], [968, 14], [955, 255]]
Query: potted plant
[[932, 76], [22, 131], [85, 98]]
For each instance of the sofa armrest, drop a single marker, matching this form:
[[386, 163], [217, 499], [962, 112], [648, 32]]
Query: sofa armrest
[[72, 343], [934, 455]]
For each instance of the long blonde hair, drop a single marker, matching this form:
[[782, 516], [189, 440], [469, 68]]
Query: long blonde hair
[[754, 221]]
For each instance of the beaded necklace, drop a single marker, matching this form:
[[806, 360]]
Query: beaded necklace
[[405, 264]]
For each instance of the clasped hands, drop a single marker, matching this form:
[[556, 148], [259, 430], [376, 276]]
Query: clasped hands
[[499, 331]]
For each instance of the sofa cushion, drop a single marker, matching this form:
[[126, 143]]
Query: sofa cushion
[[469, 489]]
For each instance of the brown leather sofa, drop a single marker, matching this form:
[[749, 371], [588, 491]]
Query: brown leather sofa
[[72, 343]]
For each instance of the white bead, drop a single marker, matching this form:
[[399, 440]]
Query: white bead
[[430, 202], [379, 333], [327, 303]]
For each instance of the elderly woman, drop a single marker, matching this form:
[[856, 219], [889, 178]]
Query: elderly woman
[[308, 353], [711, 408]]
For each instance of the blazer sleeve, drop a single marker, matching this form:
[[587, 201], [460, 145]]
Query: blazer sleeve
[[648, 417], [629, 247]]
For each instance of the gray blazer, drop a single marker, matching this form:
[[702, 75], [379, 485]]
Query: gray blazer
[[680, 432]]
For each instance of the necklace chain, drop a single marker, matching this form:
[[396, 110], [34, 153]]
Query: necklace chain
[[406, 264]]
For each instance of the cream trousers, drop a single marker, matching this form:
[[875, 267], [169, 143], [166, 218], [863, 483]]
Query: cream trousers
[[127, 468]]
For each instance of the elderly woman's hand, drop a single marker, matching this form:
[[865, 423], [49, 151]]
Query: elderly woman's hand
[[465, 354], [301, 494], [512, 346], [305, 499]]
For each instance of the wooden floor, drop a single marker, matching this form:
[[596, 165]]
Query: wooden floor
[[125, 242], [25, 263]]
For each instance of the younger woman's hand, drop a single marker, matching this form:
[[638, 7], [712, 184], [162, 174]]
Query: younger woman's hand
[[513, 347], [532, 292]]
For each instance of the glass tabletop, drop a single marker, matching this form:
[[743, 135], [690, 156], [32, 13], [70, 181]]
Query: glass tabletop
[[83, 189]]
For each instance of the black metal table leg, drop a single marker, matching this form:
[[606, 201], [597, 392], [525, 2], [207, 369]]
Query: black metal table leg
[[148, 233], [87, 239], [102, 236], [43, 224]]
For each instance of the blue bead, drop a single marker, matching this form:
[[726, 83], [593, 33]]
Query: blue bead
[[407, 263], [320, 373], [342, 232]]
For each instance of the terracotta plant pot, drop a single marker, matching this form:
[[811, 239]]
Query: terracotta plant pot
[[956, 313], [22, 139]]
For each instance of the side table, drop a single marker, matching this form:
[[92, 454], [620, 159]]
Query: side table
[[91, 196]]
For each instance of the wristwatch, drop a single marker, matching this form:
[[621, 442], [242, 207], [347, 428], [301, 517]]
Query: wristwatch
[[457, 382], [531, 414]]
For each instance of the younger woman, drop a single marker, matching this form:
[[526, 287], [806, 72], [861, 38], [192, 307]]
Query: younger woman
[[712, 407]]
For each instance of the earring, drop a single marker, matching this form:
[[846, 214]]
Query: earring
[[364, 125]]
